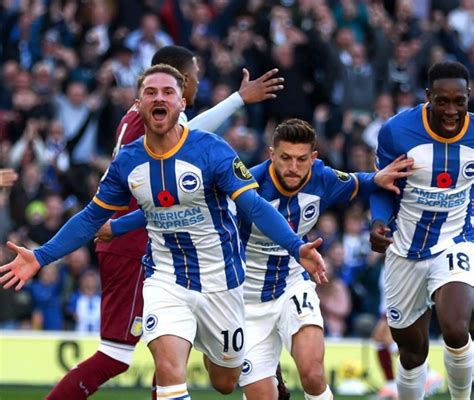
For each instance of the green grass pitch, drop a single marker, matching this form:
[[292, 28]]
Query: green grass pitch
[[28, 393]]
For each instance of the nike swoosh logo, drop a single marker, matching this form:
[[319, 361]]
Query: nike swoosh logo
[[136, 185], [228, 358], [303, 316]]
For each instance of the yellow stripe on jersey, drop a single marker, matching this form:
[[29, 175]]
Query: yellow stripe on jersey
[[173, 150], [237, 193], [109, 206], [356, 189], [435, 136]]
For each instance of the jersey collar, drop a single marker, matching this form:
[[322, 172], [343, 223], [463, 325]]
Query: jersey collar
[[173, 150], [437, 137]]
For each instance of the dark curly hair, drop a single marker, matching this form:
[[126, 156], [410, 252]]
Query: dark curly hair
[[447, 70], [176, 56]]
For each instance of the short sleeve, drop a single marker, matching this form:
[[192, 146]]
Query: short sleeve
[[385, 153], [230, 173], [340, 187], [113, 193]]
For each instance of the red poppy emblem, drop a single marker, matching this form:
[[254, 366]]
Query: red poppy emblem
[[165, 198], [444, 180]]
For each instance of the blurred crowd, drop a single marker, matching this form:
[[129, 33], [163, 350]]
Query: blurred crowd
[[67, 75]]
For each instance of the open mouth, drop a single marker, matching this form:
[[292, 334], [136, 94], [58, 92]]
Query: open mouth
[[159, 113], [450, 124]]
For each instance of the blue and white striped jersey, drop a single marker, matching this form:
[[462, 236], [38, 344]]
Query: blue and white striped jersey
[[270, 269], [434, 208], [193, 238]]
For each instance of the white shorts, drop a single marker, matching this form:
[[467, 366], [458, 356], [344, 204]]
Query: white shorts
[[410, 284], [273, 323], [213, 322]]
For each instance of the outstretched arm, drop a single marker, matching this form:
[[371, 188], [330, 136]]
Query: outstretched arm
[[120, 226], [382, 203], [399, 168], [273, 225], [386, 178], [21, 269], [260, 89], [76, 232]]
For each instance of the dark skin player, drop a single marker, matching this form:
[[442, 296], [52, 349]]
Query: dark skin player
[[448, 102]]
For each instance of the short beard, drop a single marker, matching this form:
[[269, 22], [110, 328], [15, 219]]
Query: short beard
[[282, 183]]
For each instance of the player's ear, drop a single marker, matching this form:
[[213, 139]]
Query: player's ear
[[314, 155], [186, 79], [137, 103], [271, 150], [183, 104], [428, 94]]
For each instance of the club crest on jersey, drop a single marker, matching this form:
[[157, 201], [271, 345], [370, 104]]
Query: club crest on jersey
[[137, 327], [189, 182], [310, 211], [150, 322], [468, 170], [394, 314], [240, 170], [246, 367], [342, 176]]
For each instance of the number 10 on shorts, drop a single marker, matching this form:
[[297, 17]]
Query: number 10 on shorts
[[237, 340]]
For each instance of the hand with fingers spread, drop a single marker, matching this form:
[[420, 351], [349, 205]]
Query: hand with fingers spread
[[379, 239], [262, 88], [399, 168], [313, 262], [8, 177], [20, 270]]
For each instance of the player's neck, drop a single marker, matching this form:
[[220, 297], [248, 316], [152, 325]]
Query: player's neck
[[161, 144]]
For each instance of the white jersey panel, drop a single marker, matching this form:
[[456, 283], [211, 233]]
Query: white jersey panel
[[206, 239], [420, 197], [271, 271], [263, 254], [434, 209], [193, 238], [409, 212], [139, 183]]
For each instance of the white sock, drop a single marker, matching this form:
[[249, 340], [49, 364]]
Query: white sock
[[172, 392], [459, 367], [326, 395], [393, 348], [411, 383], [392, 384]]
